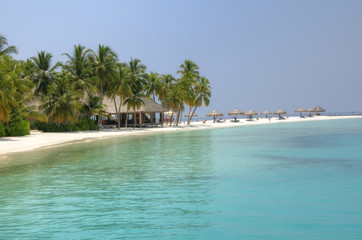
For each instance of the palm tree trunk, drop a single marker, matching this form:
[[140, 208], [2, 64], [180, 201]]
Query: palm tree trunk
[[126, 119], [171, 118], [189, 117], [178, 117], [154, 99], [119, 109], [119, 117], [134, 118], [101, 93], [193, 112], [101, 100], [117, 112], [119, 120]]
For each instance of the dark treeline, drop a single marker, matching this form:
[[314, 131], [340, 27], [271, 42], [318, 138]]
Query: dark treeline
[[61, 94]]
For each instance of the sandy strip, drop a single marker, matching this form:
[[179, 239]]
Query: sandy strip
[[40, 140]]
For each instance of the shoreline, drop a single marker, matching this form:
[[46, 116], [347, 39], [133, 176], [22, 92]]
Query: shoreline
[[38, 140]]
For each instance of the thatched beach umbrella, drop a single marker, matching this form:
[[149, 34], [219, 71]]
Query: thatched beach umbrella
[[280, 112], [187, 115], [266, 112], [170, 113], [300, 110], [250, 113], [214, 114], [318, 109], [310, 110], [235, 112]]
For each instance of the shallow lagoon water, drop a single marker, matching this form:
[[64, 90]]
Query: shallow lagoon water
[[280, 181]]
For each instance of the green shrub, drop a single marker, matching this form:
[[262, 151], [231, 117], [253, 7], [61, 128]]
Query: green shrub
[[17, 128], [87, 124], [81, 125], [2, 130]]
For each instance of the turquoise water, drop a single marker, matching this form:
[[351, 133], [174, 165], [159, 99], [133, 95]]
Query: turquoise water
[[280, 181]]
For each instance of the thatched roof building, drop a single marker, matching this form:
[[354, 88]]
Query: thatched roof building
[[145, 115], [149, 106]]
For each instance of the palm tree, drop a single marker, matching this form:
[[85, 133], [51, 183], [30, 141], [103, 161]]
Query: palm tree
[[165, 81], [135, 101], [15, 87], [93, 107], [189, 71], [189, 74], [136, 75], [32, 113], [6, 50], [136, 83], [120, 89], [6, 99], [79, 68], [43, 72], [104, 67], [173, 100], [63, 104], [153, 85], [203, 93], [7, 90], [190, 99]]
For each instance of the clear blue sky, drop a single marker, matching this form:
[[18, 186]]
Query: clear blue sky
[[256, 54]]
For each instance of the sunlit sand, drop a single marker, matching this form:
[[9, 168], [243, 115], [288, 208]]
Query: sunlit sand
[[38, 139]]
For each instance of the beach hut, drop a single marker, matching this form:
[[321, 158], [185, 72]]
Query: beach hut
[[145, 115], [300, 110], [250, 114], [310, 110], [235, 113], [318, 110], [266, 112], [280, 112], [214, 114]]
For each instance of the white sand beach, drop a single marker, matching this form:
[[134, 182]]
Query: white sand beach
[[38, 139]]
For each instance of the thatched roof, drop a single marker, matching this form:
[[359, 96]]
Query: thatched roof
[[250, 112], [310, 110], [214, 113], [266, 112], [280, 111], [236, 112], [149, 107], [33, 102], [300, 110], [170, 113], [319, 109], [195, 115]]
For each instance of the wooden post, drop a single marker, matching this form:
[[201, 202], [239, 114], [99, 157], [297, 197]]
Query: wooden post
[[162, 118], [140, 115], [126, 119]]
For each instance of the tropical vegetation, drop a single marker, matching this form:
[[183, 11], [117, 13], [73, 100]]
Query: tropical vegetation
[[65, 96]]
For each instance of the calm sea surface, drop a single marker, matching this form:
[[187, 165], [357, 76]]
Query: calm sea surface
[[280, 181]]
